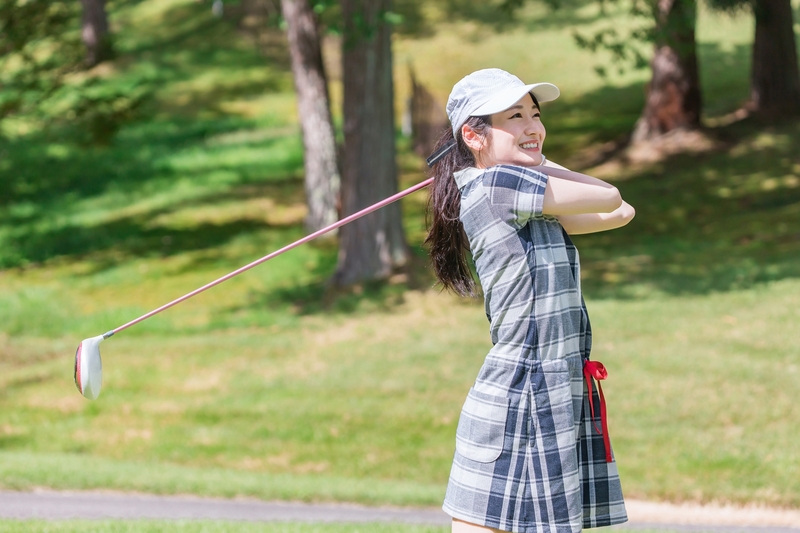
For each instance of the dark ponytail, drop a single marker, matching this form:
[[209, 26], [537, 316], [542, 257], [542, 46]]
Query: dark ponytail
[[447, 241]]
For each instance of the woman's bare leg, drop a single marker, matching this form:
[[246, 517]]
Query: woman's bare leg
[[459, 526]]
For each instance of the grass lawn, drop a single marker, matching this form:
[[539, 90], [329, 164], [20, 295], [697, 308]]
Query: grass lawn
[[363, 406], [273, 386]]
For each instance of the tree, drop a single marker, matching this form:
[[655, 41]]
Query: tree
[[322, 180], [673, 98], [774, 78], [428, 117], [371, 247], [94, 32]]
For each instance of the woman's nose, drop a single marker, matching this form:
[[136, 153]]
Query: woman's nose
[[533, 127]]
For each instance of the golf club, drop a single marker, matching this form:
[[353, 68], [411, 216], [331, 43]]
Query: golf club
[[88, 371]]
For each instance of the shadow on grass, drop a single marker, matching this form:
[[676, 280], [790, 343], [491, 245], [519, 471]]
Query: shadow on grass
[[133, 238], [44, 168], [706, 222], [47, 178], [43, 182], [564, 13], [188, 43], [725, 77], [319, 297], [192, 28]]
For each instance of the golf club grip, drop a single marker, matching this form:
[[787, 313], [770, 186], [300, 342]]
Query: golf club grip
[[276, 253]]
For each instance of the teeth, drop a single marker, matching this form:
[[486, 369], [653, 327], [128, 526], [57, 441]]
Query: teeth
[[530, 145]]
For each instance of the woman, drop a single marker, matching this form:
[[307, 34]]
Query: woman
[[532, 449]]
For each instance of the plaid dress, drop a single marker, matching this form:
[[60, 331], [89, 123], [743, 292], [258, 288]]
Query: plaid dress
[[528, 457]]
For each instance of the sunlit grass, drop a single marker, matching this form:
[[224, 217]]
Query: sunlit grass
[[375, 395]]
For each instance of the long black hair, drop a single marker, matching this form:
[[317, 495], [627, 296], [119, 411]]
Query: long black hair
[[447, 241], [446, 238]]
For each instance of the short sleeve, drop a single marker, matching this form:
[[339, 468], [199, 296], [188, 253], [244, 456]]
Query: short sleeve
[[515, 193]]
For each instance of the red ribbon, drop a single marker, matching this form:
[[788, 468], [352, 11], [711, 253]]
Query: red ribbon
[[596, 370]]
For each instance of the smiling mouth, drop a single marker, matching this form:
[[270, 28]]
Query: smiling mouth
[[530, 145]]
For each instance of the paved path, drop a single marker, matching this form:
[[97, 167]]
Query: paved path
[[57, 505]]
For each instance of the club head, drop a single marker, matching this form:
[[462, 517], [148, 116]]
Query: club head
[[89, 368]]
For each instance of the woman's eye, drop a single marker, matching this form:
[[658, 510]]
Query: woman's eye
[[516, 115]]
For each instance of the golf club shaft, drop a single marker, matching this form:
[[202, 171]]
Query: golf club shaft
[[276, 253]]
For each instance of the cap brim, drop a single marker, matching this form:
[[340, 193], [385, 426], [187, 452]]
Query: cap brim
[[544, 92]]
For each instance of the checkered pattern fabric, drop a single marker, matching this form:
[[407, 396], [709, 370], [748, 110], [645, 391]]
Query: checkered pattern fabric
[[528, 458]]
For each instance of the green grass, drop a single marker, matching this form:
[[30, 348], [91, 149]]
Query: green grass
[[700, 383], [25, 470], [711, 222], [272, 385]]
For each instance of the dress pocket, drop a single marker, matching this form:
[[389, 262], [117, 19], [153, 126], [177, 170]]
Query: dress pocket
[[559, 393], [482, 427]]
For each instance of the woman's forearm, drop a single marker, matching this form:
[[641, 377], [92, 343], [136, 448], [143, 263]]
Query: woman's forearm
[[554, 169], [594, 222], [573, 193], [569, 197]]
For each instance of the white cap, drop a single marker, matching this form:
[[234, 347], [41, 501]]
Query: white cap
[[489, 91]]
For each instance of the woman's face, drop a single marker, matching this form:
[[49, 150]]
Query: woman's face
[[515, 138]]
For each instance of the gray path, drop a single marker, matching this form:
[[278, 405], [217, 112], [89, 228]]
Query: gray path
[[56, 505]]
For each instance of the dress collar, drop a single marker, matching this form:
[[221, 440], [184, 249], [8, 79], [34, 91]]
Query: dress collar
[[463, 177]]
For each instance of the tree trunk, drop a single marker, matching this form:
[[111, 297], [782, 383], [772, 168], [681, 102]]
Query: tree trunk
[[322, 178], [372, 246], [428, 118], [774, 81], [673, 95], [94, 32]]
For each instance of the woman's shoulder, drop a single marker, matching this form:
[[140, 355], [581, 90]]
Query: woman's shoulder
[[502, 176], [514, 176], [515, 170]]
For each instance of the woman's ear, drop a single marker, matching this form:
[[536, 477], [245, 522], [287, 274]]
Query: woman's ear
[[473, 141]]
